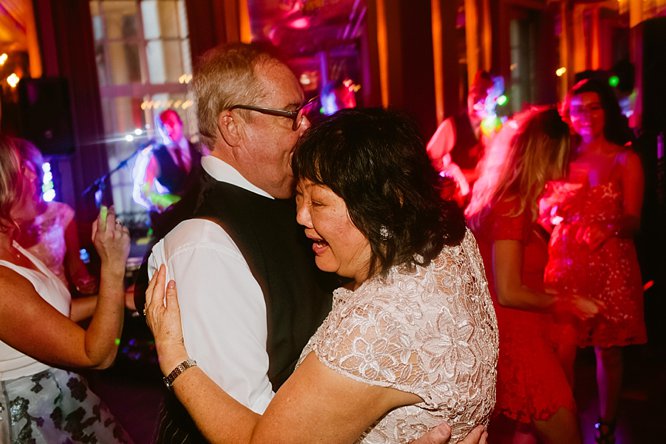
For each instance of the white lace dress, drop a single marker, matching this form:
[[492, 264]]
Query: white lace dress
[[430, 331], [51, 248]]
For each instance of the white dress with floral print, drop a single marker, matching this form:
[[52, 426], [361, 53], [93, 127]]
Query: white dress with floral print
[[430, 331]]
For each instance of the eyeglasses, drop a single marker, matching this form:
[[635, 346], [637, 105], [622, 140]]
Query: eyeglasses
[[296, 116], [592, 108]]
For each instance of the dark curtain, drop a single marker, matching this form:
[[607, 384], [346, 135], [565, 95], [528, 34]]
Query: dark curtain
[[67, 48]]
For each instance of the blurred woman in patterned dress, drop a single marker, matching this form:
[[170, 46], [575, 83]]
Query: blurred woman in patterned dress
[[52, 236], [533, 391], [595, 213]]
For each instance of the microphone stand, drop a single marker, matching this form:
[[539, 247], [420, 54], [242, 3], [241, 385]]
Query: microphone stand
[[99, 184]]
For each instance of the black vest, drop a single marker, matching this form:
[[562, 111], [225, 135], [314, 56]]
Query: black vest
[[281, 260], [297, 294], [174, 178]]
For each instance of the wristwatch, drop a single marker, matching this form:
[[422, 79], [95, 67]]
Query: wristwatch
[[176, 372]]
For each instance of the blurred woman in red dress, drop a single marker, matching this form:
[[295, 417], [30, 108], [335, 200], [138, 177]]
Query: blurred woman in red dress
[[595, 214], [532, 386]]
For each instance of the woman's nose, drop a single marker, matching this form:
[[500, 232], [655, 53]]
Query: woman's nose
[[302, 213]]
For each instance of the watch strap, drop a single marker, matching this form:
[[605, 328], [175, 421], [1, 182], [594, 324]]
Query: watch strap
[[176, 372]]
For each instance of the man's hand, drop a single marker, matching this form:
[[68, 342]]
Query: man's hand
[[442, 433]]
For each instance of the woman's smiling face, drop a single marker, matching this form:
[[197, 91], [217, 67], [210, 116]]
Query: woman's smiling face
[[338, 245], [587, 115]]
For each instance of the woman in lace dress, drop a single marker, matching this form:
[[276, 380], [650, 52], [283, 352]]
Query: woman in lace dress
[[40, 401], [52, 236], [532, 386], [411, 340], [596, 212]]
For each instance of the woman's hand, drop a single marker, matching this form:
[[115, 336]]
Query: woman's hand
[[111, 240], [442, 435], [594, 235], [585, 308], [163, 318], [576, 306]]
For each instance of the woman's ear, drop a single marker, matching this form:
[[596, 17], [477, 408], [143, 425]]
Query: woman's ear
[[30, 172], [230, 128]]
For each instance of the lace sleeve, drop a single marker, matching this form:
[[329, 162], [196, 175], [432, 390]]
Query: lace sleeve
[[368, 344], [427, 330]]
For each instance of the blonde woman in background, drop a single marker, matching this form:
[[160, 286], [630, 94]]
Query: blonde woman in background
[[40, 401], [533, 390]]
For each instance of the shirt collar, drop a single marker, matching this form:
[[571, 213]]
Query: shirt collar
[[223, 172]]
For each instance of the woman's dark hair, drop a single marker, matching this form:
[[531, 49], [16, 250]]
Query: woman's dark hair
[[375, 160], [616, 128]]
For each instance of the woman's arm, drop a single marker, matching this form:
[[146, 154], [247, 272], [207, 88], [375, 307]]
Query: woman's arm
[[507, 271], [633, 186], [82, 308], [441, 143], [316, 404], [512, 292], [31, 325]]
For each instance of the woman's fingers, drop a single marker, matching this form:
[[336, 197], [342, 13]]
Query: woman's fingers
[[103, 213], [94, 229], [171, 295], [119, 228], [154, 299], [587, 308], [599, 303], [151, 287], [149, 292], [438, 435], [110, 220], [477, 435]]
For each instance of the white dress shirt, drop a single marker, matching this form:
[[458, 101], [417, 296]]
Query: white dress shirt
[[221, 304]]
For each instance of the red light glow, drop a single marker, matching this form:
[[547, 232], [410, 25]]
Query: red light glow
[[300, 23]]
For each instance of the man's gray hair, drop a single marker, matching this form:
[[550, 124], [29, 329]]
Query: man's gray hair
[[224, 77]]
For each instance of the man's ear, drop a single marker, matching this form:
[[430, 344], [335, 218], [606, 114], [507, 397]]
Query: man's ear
[[229, 128]]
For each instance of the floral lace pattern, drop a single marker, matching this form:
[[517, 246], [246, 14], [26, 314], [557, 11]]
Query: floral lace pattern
[[51, 248], [430, 331]]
